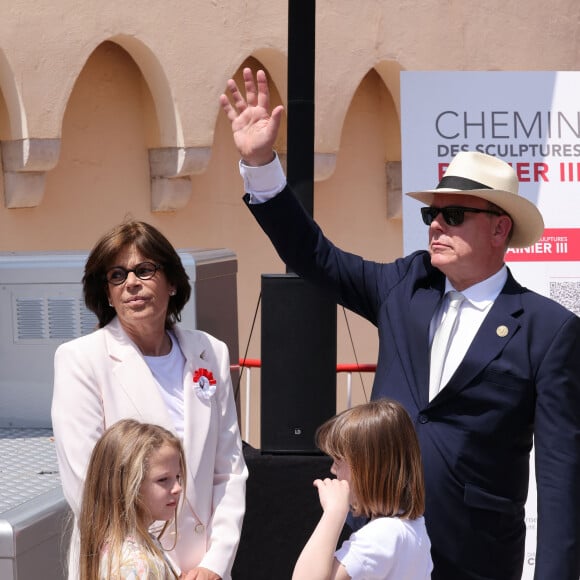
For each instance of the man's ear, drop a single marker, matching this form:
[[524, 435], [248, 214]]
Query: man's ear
[[502, 229]]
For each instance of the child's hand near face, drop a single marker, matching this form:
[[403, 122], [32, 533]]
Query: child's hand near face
[[317, 558], [334, 495]]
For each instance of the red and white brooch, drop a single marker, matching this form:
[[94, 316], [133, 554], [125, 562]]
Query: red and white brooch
[[204, 384]]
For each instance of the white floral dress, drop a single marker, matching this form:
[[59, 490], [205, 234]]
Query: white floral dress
[[137, 563]]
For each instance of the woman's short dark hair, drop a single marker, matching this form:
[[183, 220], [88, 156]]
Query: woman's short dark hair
[[154, 246]]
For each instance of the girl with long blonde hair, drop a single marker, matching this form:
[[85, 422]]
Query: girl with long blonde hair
[[135, 478]]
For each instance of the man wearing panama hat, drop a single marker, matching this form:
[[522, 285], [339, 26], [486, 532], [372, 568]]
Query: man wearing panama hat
[[492, 180], [510, 373]]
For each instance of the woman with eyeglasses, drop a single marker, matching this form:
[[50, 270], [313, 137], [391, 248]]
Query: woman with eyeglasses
[[139, 364]]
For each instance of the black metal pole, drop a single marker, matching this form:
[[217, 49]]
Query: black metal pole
[[301, 71]]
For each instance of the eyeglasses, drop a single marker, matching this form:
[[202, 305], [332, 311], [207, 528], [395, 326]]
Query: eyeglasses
[[144, 271], [454, 215]]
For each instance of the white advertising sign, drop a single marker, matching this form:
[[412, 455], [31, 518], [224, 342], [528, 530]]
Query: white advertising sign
[[532, 121]]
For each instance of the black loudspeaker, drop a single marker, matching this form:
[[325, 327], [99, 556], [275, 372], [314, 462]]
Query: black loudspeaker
[[298, 376]]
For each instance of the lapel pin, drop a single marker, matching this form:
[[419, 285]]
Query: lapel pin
[[204, 384], [502, 331]]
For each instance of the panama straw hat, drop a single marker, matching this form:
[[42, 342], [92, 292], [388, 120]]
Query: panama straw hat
[[490, 178]]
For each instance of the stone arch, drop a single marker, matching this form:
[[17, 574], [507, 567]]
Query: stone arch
[[13, 100], [24, 160], [171, 163], [170, 128], [332, 108]]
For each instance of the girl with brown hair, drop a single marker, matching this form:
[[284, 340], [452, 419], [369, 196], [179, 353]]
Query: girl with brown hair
[[379, 475]]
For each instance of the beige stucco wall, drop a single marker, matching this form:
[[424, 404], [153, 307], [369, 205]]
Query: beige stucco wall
[[88, 88]]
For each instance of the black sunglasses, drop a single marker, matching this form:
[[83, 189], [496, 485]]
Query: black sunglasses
[[144, 271], [454, 215]]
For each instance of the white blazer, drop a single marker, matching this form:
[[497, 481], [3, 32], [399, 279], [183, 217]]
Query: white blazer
[[101, 378]]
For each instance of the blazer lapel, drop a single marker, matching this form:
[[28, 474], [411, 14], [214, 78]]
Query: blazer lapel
[[132, 376], [413, 345], [198, 411]]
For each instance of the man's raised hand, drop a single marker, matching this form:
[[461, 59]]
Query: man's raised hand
[[254, 127]]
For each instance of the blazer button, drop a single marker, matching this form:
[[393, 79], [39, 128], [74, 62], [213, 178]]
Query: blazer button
[[199, 528], [423, 419]]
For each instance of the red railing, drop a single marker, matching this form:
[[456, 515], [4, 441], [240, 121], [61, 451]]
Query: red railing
[[256, 363], [354, 368]]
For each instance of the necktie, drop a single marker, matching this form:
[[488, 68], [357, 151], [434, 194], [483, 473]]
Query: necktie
[[441, 342]]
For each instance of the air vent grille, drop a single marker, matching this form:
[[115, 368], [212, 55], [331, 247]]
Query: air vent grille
[[52, 318], [29, 319]]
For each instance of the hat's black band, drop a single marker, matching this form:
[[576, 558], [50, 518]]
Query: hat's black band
[[463, 183]]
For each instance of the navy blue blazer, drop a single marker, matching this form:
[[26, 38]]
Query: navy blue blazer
[[511, 390]]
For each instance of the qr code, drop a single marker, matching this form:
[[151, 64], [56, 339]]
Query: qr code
[[567, 293]]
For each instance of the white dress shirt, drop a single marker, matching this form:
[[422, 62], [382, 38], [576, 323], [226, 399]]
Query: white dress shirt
[[479, 299]]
